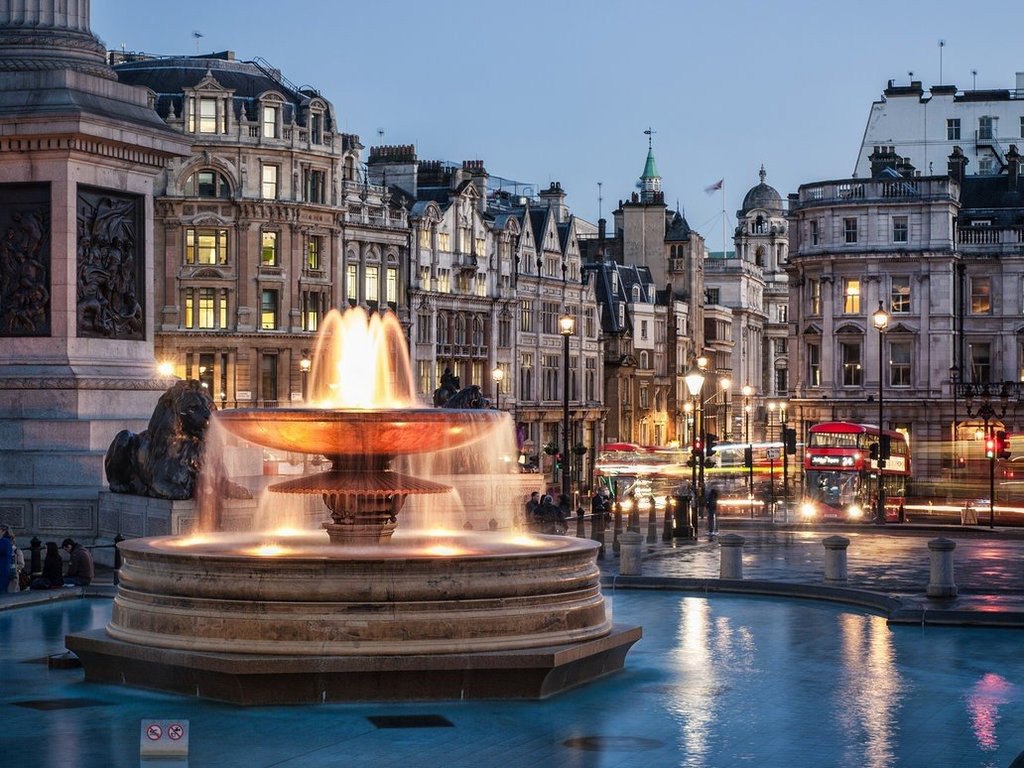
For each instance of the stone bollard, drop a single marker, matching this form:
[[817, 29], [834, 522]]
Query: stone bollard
[[940, 578], [835, 558], [630, 544], [652, 524], [731, 565]]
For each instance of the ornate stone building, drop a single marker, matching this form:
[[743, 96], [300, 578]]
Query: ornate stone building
[[263, 228], [490, 273], [944, 255]]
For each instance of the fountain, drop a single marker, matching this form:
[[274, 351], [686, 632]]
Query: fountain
[[369, 610]]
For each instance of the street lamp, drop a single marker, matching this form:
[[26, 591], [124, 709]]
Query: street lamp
[[499, 376], [986, 411], [305, 364], [880, 319], [747, 393], [694, 383], [725, 429], [567, 327]]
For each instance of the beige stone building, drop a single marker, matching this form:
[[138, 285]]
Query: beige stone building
[[266, 226]]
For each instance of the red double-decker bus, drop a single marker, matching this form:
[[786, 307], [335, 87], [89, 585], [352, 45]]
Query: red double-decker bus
[[841, 472]]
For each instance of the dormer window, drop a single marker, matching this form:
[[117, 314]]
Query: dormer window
[[271, 118], [636, 294], [207, 114]]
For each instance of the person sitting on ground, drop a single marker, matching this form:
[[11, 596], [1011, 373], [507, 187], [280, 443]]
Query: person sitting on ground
[[81, 571], [53, 569]]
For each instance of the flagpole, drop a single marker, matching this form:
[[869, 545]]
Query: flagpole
[[724, 221]]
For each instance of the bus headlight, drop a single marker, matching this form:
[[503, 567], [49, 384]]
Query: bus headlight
[[807, 509], [854, 512]]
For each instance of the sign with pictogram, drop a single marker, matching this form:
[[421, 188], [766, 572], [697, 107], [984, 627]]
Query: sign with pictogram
[[164, 738]]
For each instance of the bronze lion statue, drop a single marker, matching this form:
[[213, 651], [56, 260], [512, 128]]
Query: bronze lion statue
[[163, 460]]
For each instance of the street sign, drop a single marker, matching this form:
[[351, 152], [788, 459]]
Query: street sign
[[164, 738], [772, 453]]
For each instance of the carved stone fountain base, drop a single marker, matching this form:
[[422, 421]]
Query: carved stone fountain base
[[255, 620], [254, 679]]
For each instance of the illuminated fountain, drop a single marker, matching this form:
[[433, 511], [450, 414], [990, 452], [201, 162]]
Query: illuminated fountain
[[365, 611]]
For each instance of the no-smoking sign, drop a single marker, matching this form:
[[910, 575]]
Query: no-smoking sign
[[163, 738]]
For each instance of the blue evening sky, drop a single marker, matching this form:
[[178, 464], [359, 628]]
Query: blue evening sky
[[562, 90]]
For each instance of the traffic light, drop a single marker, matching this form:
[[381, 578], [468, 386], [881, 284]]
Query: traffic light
[[873, 451], [990, 447], [1002, 445], [748, 457], [885, 447], [709, 445], [698, 447], [789, 440]]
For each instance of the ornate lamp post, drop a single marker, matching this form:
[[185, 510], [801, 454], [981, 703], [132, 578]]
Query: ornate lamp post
[[498, 375], [725, 430], [748, 392], [694, 383], [880, 319], [305, 364], [567, 327], [987, 411]]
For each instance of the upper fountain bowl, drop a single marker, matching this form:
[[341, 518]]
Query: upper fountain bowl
[[358, 431]]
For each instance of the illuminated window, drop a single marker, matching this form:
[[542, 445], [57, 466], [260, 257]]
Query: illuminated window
[[814, 296], [268, 310], [209, 121], [372, 291], [981, 295], [444, 241], [425, 239], [268, 249], [223, 308], [351, 282], [814, 364], [189, 308], [313, 249], [391, 285], [206, 246], [270, 117], [206, 307], [851, 297]]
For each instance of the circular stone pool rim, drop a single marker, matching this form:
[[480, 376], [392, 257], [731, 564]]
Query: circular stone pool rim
[[541, 591]]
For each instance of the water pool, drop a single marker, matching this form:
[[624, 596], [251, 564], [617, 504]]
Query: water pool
[[722, 681]]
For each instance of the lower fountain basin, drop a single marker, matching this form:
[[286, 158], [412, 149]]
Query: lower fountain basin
[[296, 595]]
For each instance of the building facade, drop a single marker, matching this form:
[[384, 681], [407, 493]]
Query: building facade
[[262, 229]]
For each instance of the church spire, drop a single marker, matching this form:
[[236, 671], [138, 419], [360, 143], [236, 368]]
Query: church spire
[[650, 181]]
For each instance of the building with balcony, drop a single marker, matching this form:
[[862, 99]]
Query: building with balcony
[[944, 255], [263, 228]]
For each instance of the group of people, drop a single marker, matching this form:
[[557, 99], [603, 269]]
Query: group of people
[[15, 577], [543, 515]]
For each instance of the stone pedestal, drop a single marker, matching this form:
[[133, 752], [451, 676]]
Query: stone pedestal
[[78, 155]]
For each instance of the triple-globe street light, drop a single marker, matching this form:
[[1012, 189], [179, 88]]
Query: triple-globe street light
[[880, 319], [567, 327]]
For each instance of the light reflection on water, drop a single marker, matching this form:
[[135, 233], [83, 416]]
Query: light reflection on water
[[715, 682]]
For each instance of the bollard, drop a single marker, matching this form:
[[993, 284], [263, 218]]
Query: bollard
[[666, 530], [630, 544], [36, 558], [835, 558], [940, 578], [731, 563], [652, 524], [599, 537]]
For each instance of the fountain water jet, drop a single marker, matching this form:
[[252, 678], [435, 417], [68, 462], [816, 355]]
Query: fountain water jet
[[364, 612]]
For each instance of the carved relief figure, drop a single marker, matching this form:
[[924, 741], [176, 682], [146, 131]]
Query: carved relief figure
[[108, 268], [24, 273]]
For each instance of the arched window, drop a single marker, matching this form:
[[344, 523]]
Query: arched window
[[478, 331], [636, 294], [442, 329], [643, 359], [460, 330], [759, 256], [207, 183]]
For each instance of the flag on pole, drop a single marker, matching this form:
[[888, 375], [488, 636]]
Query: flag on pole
[[715, 187]]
